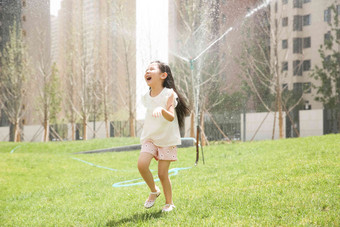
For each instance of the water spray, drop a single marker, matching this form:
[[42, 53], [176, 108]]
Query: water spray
[[196, 83]]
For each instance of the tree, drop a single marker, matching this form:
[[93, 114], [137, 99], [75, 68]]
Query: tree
[[48, 87], [125, 54], [328, 92], [14, 75], [260, 65], [198, 65]]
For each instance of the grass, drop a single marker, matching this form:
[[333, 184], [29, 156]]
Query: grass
[[284, 182]]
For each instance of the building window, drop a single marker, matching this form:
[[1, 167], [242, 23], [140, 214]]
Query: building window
[[23, 18], [275, 7], [306, 20], [327, 37], [297, 69], [301, 88], [307, 87], [297, 3], [306, 42], [0, 2], [338, 9], [276, 23], [284, 44], [24, 3], [285, 22], [306, 65], [327, 15], [224, 18], [298, 88], [297, 23], [306, 1], [284, 2], [297, 45], [338, 34], [24, 33], [284, 86], [285, 66]]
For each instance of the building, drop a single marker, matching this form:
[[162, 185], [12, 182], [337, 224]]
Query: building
[[34, 18], [100, 35], [54, 38], [36, 28], [302, 26], [9, 12]]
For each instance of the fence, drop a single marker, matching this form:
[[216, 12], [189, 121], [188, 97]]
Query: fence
[[58, 132], [255, 126]]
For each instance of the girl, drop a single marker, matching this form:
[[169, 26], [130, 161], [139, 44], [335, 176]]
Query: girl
[[161, 131]]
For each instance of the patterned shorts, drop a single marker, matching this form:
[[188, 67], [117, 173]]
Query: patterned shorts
[[160, 153]]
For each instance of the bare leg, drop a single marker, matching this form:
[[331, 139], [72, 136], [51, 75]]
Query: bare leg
[[143, 167], [163, 169]]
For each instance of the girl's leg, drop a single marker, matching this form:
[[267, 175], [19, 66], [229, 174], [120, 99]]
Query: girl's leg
[[143, 167], [163, 169]]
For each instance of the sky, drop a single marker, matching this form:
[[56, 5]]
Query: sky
[[55, 6], [152, 40]]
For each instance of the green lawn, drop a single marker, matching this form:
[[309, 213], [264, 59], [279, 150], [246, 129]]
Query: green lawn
[[286, 182]]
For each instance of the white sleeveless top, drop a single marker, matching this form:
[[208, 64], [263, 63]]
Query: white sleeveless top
[[161, 132]]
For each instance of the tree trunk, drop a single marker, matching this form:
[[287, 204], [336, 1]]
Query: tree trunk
[[46, 130], [106, 118], [203, 139], [280, 114], [278, 85], [107, 125], [132, 125], [16, 132], [84, 128], [192, 124], [73, 131], [274, 125]]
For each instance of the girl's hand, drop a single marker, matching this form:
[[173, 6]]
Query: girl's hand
[[157, 112]]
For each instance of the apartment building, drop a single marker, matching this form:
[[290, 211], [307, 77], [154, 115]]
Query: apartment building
[[36, 29], [34, 18], [302, 26], [103, 34], [9, 12]]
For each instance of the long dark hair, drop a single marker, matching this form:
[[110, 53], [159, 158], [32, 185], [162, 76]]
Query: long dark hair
[[182, 109]]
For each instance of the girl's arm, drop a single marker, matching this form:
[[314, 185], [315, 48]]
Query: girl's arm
[[167, 113]]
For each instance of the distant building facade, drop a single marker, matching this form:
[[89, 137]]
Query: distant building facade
[[302, 28], [33, 16]]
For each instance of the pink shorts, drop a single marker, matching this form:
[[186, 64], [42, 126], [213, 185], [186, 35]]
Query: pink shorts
[[160, 153]]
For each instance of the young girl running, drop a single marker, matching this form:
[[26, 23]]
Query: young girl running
[[161, 131]]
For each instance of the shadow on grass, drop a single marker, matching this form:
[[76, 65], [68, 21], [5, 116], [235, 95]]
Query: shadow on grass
[[139, 217]]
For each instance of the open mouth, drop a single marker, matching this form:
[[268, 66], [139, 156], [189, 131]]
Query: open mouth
[[148, 78]]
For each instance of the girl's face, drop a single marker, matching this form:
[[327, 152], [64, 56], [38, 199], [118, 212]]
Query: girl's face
[[153, 75]]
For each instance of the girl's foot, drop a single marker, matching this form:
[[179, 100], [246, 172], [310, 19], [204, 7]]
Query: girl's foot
[[168, 207], [152, 198]]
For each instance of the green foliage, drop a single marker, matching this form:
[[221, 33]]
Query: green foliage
[[234, 102], [255, 64], [53, 89], [270, 183], [14, 75], [329, 73]]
